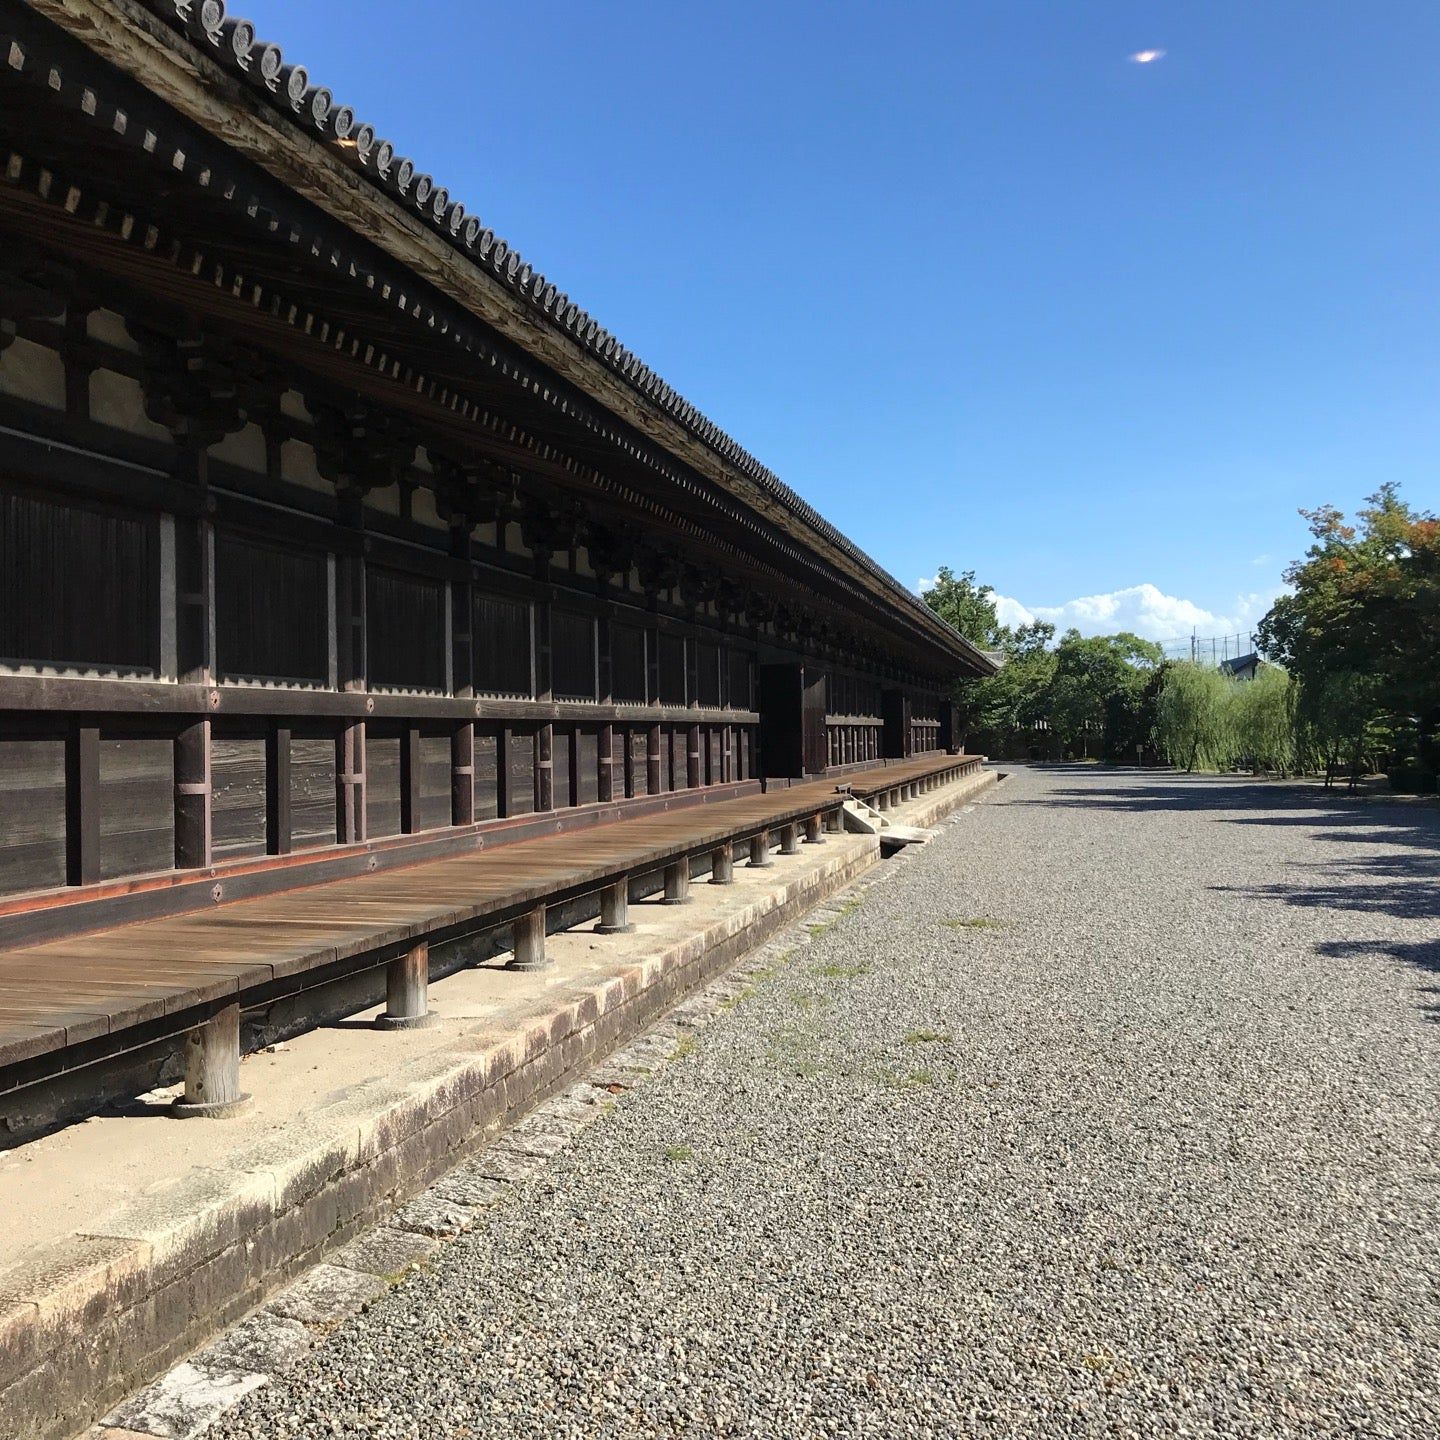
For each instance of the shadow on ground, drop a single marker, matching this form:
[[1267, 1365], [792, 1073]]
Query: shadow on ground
[[1403, 882]]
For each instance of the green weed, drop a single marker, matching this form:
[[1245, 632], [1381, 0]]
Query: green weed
[[926, 1037]]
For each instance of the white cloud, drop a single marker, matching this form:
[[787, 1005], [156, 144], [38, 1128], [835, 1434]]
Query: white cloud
[[1011, 612], [1145, 610]]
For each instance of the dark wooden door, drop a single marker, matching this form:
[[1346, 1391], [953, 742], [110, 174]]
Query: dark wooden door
[[895, 712], [782, 695], [949, 738], [816, 741]]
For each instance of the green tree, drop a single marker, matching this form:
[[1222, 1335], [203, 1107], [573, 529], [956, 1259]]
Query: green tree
[[959, 601], [1013, 699], [1097, 679], [1360, 633], [1194, 717], [1264, 720]]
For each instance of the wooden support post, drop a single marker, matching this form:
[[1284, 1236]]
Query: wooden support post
[[350, 783], [462, 774], [677, 882], [277, 790], [812, 831], [790, 839], [462, 621], [410, 780], [505, 744], [544, 615], [835, 820], [529, 941], [192, 796], [193, 589], [722, 864], [407, 992], [627, 759], [605, 781], [693, 777], [615, 909], [350, 617], [654, 781], [212, 1069], [545, 768], [82, 805], [882, 800], [760, 851]]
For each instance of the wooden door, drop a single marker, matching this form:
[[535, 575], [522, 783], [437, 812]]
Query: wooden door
[[816, 740], [782, 693], [895, 711]]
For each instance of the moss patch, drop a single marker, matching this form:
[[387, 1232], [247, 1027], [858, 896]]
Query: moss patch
[[926, 1037], [843, 972]]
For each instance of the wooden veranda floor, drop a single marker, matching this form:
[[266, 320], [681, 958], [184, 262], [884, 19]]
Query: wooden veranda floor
[[139, 982]]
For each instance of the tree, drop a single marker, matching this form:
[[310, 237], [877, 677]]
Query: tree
[[1193, 717], [957, 600], [1264, 720], [1360, 633], [1013, 699], [1097, 679]]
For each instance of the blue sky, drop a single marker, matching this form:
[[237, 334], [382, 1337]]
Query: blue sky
[[983, 289]]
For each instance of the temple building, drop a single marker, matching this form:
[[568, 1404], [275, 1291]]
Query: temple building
[[368, 613], [335, 538]]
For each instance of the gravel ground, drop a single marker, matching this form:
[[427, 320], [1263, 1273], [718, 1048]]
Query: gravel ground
[[1111, 1112]]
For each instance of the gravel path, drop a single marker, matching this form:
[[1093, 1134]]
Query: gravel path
[[1109, 1113]]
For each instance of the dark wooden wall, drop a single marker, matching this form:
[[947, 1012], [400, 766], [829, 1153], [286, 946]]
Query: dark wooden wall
[[204, 665]]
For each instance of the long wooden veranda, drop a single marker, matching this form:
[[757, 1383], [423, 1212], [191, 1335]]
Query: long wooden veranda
[[68, 1003]]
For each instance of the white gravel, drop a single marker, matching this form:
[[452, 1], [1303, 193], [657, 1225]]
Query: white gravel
[[1151, 1153]]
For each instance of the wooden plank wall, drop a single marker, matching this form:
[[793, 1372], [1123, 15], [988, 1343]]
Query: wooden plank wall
[[298, 616]]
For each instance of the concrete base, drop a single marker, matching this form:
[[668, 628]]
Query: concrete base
[[127, 1244], [183, 1109], [407, 1022]]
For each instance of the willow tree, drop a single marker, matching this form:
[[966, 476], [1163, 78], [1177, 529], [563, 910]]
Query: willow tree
[[1194, 717], [1264, 720]]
